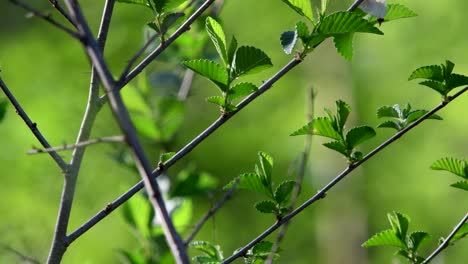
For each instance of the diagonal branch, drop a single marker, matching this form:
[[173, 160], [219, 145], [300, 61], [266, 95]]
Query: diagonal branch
[[187, 148], [46, 17], [60, 241], [111, 139], [227, 196], [446, 242], [33, 127], [61, 10], [122, 116], [322, 193]]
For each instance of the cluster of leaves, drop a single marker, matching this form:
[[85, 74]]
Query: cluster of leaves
[[261, 181], [165, 12], [212, 254], [237, 62], [456, 166], [333, 126], [341, 26], [398, 236], [401, 117], [440, 78]]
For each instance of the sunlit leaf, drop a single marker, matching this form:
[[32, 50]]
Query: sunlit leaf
[[461, 185], [358, 135], [213, 251], [337, 146], [455, 166], [217, 100], [416, 239], [431, 72], [384, 238], [345, 22], [216, 33], [344, 45], [399, 223], [250, 60], [387, 111], [211, 70], [322, 126], [302, 7], [283, 191], [253, 182], [266, 164], [240, 90], [390, 124], [139, 213]]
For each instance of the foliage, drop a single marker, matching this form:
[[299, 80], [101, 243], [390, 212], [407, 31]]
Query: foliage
[[455, 166], [261, 181], [401, 118], [237, 62], [333, 126], [398, 236], [440, 78]]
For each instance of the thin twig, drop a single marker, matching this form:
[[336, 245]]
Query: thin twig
[[185, 85], [184, 151], [122, 116], [46, 17], [446, 242], [162, 46], [25, 259], [61, 10], [299, 178], [33, 127], [60, 241], [111, 139], [227, 196], [187, 148], [322, 193]]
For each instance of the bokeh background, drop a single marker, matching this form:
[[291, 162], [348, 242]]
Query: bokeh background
[[48, 73]]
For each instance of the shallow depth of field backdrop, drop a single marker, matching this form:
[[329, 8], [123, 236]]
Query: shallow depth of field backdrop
[[48, 73]]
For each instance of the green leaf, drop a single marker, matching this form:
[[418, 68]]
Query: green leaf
[[461, 233], [213, 251], [262, 247], [240, 90], [338, 146], [358, 135], [345, 22], [390, 124], [455, 166], [181, 215], [305, 130], [266, 164], [146, 126], [461, 185], [139, 213], [343, 109], [173, 4], [266, 207], [250, 60], [3, 108], [288, 41], [431, 72], [398, 11], [217, 100], [437, 86], [344, 45], [131, 257], [232, 50], [169, 116], [253, 182], [416, 114], [302, 32], [283, 191], [416, 239], [302, 7], [205, 260], [211, 70], [190, 182], [216, 33], [399, 223], [456, 80], [384, 238], [166, 156], [322, 126], [387, 111], [134, 100]]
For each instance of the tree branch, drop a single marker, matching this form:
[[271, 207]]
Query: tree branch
[[227, 196], [322, 193], [61, 10], [191, 145], [33, 127], [60, 241], [446, 242], [122, 116], [111, 139], [184, 151], [24, 259], [46, 17], [299, 178]]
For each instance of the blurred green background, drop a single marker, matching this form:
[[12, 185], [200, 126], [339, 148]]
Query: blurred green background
[[48, 73]]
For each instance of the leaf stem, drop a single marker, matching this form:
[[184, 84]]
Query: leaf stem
[[81, 144]]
